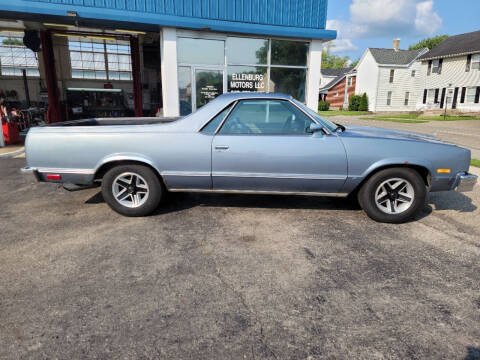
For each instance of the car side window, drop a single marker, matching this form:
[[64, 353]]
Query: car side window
[[216, 121], [266, 117]]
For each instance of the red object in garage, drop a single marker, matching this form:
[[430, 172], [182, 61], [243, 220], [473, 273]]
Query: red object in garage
[[10, 133]]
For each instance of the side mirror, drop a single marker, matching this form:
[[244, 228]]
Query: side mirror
[[315, 128]]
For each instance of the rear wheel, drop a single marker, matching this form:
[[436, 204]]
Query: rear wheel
[[393, 195], [132, 190]]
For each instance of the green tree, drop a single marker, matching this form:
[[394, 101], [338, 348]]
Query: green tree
[[12, 41], [428, 42], [330, 61], [354, 102], [354, 63], [363, 103]]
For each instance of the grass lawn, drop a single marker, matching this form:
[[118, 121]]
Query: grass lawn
[[475, 162], [415, 118], [404, 118], [342, 112]]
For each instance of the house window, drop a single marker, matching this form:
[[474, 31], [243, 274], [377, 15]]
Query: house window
[[413, 73], [14, 56], [349, 81], [436, 66], [392, 75], [335, 95], [471, 93], [389, 98], [100, 59], [407, 98], [431, 96], [476, 62]]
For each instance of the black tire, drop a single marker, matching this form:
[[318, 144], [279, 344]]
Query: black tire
[[368, 192], [147, 175]]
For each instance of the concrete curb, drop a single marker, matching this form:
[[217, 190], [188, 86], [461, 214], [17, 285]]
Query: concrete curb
[[12, 154]]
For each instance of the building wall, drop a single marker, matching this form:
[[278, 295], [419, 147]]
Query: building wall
[[367, 79], [280, 12], [403, 82], [337, 97], [453, 72], [305, 19]]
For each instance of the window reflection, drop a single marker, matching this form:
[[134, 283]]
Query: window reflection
[[185, 89], [290, 53], [201, 51], [288, 81], [247, 51]]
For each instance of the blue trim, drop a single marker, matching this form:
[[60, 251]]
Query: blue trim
[[141, 17]]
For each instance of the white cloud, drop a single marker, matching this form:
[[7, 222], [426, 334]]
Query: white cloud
[[427, 20], [385, 18], [340, 44]]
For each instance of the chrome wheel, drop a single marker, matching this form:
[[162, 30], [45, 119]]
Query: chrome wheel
[[130, 190], [394, 196]]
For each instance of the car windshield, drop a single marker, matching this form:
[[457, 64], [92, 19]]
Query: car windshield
[[328, 124]]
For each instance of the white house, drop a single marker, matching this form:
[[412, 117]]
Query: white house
[[390, 77], [450, 75]]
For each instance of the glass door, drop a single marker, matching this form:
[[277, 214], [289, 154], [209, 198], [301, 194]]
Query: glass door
[[209, 83]]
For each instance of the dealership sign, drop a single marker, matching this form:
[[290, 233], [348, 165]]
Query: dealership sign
[[247, 81]]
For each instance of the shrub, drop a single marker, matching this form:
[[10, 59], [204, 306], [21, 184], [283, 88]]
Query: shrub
[[363, 103], [323, 105], [354, 102]]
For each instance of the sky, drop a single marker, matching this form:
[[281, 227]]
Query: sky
[[375, 23]]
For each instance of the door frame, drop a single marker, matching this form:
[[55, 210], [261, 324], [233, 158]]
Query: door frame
[[193, 70]]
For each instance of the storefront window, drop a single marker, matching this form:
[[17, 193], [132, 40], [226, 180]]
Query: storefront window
[[262, 65], [292, 53], [247, 78], [200, 51], [185, 89], [245, 51], [288, 81]]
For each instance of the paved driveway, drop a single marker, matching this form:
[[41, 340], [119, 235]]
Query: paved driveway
[[234, 277], [465, 132]]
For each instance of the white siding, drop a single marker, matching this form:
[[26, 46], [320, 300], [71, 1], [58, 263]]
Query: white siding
[[453, 72], [367, 79], [403, 82]]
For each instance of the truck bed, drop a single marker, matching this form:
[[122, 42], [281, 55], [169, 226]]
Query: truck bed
[[116, 121]]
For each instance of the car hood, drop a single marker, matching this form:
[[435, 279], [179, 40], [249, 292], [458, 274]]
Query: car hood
[[373, 132]]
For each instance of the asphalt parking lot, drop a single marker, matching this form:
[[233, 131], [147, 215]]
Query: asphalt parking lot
[[234, 277]]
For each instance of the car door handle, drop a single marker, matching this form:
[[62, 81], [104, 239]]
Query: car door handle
[[221, 147]]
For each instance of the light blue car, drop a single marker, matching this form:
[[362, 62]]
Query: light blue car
[[251, 143]]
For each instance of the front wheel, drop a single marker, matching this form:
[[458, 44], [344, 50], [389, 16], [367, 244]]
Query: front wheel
[[132, 190], [393, 195]]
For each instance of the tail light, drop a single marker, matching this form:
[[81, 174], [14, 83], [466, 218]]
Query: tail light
[[53, 176]]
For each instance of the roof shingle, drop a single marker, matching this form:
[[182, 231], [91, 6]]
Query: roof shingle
[[462, 44], [392, 57]]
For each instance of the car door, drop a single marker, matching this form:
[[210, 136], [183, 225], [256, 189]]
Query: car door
[[265, 145]]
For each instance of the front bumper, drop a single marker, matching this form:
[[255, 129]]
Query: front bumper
[[465, 182]]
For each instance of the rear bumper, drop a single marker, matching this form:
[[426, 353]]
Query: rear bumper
[[465, 182], [74, 176], [31, 173]]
